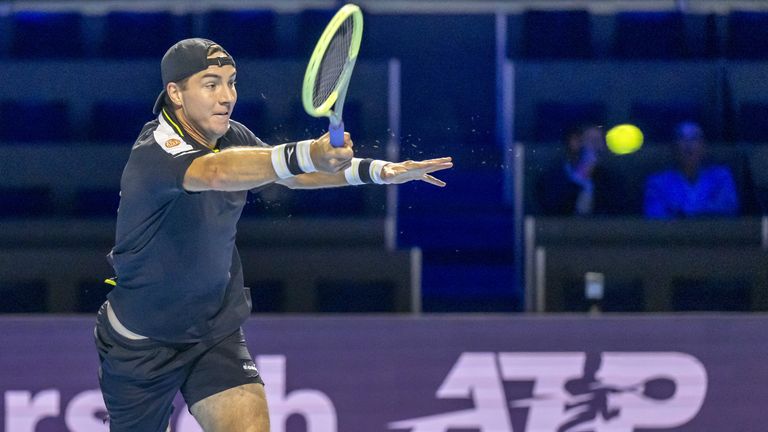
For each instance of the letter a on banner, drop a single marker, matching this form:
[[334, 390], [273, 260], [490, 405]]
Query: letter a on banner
[[475, 376]]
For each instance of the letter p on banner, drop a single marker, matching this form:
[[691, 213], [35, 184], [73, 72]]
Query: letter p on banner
[[662, 389]]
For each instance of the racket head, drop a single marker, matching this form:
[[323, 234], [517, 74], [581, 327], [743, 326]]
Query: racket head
[[331, 64]]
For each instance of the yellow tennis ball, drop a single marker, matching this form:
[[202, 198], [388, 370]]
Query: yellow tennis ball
[[624, 139]]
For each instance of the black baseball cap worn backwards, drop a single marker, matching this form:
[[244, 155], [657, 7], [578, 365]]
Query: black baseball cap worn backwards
[[184, 59]]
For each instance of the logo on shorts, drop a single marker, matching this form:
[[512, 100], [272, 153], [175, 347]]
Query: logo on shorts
[[250, 369], [171, 143]]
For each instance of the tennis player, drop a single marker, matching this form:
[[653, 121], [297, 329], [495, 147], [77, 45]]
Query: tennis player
[[173, 320]]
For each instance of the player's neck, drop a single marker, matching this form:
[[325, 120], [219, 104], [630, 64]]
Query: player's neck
[[193, 131]]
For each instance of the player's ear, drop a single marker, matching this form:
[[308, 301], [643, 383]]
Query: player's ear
[[173, 91]]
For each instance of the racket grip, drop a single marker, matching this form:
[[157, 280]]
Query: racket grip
[[337, 134]]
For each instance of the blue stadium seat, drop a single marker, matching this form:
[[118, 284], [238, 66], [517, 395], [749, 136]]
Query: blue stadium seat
[[489, 231], [711, 40], [657, 120], [126, 34], [403, 36], [747, 35], [46, 35], [118, 121], [452, 287], [553, 119], [471, 191], [442, 111], [25, 201], [97, 202], [557, 34], [312, 22], [244, 33], [752, 122], [650, 35], [5, 33], [34, 121]]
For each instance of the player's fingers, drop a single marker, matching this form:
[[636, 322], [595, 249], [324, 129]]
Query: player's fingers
[[446, 162], [431, 168], [439, 167], [441, 160], [432, 180], [436, 161], [348, 140]]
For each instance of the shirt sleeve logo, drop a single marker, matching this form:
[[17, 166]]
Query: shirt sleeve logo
[[171, 143]]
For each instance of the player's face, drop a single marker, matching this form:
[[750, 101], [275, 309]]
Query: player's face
[[209, 98]]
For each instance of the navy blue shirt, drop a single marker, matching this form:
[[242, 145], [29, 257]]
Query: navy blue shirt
[[179, 276], [669, 194]]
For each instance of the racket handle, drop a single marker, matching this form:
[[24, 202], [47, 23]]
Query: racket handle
[[337, 134]]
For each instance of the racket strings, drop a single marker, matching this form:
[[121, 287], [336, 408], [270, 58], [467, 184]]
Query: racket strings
[[332, 64]]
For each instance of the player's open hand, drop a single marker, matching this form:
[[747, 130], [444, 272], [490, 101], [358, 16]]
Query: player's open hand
[[328, 158], [402, 172]]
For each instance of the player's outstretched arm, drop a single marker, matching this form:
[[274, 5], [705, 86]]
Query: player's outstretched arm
[[245, 168]]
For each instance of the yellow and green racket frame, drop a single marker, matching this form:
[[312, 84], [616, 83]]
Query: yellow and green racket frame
[[334, 103]]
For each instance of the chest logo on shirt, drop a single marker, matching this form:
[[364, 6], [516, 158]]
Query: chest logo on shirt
[[171, 143]]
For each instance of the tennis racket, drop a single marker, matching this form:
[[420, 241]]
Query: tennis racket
[[330, 68]]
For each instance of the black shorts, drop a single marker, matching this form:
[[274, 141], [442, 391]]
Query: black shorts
[[140, 378]]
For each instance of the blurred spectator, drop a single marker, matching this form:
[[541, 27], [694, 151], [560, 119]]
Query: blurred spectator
[[693, 187], [581, 184]]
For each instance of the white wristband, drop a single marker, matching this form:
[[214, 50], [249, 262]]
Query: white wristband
[[292, 159], [376, 167], [280, 162], [352, 174], [364, 171], [304, 156]]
